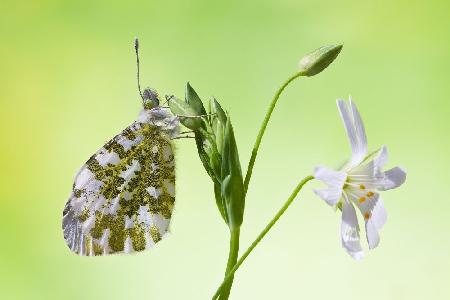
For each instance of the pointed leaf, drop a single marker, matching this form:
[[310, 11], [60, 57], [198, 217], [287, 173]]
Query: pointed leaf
[[219, 201], [194, 101]]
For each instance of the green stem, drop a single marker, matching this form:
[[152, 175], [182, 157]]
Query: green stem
[[288, 202], [232, 258], [225, 288], [263, 128]]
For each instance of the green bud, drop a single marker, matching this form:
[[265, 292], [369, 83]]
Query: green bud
[[218, 111], [210, 149], [219, 134], [185, 111], [218, 123], [194, 101], [232, 182], [318, 60]]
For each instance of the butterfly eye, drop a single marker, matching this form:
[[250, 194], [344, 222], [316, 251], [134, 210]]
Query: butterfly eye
[[151, 98]]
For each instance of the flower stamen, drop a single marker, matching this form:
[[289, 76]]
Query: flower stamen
[[367, 215], [356, 185]]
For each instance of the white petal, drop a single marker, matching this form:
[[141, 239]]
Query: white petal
[[348, 123], [379, 214], [350, 231], [380, 159], [393, 178], [331, 195], [373, 238], [372, 208], [372, 205], [359, 127], [355, 131], [329, 176], [363, 169]]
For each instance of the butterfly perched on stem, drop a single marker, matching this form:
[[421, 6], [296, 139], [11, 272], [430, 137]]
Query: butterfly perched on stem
[[123, 196]]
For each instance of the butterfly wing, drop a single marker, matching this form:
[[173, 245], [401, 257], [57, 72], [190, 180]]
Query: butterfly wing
[[123, 197]]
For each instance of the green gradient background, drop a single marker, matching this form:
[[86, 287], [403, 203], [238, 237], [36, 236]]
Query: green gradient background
[[67, 84]]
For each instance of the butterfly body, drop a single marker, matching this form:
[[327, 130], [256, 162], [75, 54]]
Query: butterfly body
[[123, 197]]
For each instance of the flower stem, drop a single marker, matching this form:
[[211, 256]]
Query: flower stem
[[225, 288], [232, 258], [264, 126], [230, 274]]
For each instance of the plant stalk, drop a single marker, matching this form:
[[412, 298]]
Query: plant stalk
[[264, 126], [230, 274], [232, 258], [225, 288]]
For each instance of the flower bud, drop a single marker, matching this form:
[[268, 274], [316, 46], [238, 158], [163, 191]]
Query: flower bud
[[232, 185], [318, 60], [220, 113], [219, 121], [186, 112], [194, 100]]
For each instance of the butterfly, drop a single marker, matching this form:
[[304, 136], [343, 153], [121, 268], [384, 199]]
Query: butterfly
[[123, 196]]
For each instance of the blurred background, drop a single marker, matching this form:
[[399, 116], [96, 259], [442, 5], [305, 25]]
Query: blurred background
[[67, 85]]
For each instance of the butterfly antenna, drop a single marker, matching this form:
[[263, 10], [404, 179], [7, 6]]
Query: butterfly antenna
[[136, 47]]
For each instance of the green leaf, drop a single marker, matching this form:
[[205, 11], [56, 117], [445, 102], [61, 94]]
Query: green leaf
[[232, 181], [219, 201], [186, 112], [194, 101], [204, 157], [215, 163], [211, 161]]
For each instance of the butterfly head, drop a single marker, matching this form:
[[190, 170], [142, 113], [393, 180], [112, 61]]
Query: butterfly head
[[150, 98]]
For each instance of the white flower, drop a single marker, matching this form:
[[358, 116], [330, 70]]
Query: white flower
[[359, 183]]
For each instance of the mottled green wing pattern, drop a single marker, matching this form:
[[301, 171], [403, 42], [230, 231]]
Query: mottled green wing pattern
[[123, 197]]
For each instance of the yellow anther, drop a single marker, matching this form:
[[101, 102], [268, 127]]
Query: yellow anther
[[362, 199], [367, 215], [362, 186], [370, 194]]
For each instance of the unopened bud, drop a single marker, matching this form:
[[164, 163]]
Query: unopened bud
[[188, 116], [318, 60]]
